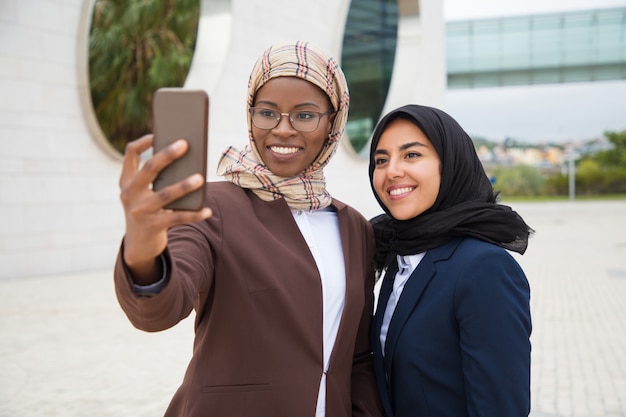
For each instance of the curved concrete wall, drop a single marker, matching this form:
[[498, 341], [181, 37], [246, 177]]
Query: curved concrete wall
[[59, 198]]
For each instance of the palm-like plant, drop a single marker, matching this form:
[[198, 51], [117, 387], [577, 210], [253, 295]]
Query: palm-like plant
[[136, 47]]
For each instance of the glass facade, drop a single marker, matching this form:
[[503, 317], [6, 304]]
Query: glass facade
[[537, 49], [369, 47]]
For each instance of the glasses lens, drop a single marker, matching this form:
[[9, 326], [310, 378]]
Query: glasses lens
[[265, 118], [304, 121]]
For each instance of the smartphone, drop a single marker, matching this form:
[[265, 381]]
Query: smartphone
[[179, 113]]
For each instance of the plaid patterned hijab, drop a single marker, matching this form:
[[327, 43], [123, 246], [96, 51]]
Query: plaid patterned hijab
[[307, 190]]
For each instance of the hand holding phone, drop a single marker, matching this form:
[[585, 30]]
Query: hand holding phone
[[179, 113]]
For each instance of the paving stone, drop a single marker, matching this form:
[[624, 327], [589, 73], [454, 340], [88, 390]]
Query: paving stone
[[67, 350]]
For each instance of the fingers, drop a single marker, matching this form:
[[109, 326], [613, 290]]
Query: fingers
[[173, 192], [142, 205], [135, 181], [147, 221], [176, 217], [160, 160], [132, 157]]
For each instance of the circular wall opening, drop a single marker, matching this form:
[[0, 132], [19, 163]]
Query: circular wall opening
[[132, 49]]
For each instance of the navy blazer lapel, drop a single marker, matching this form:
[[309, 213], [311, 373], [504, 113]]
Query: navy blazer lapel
[[409, 298], [379, 361], [383, 299], [412, 293]]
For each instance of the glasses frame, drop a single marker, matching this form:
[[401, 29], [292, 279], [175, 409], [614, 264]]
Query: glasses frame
[[280, 116]]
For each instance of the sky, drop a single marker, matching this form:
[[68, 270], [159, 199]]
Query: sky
[[473, 9]]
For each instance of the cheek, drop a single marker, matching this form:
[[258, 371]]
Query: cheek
[[434, 180], [377, 182], [316, 144]]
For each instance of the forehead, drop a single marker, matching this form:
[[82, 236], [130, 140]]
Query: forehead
[[281, 90], [400, 132]]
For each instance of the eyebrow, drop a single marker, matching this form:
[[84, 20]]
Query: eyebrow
[[272, 104], [403, 147]]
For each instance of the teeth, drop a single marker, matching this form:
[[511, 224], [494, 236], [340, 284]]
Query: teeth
[[282, 150], [399, 191]]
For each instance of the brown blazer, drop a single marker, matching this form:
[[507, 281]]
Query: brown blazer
[[256, 290]]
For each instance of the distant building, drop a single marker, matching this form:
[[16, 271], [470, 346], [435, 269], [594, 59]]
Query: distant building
[[60, 210], [59, 206], [543, 77], [581, 46]]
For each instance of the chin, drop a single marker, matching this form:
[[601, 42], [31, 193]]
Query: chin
[[403, 214]]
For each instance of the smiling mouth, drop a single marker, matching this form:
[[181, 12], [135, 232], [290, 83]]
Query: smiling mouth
[[400, 191], [283, 150]]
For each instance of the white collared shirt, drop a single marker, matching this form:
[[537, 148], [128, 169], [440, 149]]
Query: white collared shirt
[[406, 266], [320, 230]]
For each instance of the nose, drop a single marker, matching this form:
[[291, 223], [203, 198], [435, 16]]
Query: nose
[[284, 125], [394, 169]]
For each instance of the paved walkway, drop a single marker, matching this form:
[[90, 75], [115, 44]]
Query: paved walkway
[[67, 350]]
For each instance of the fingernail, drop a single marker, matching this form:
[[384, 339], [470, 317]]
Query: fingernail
[[198, 178]]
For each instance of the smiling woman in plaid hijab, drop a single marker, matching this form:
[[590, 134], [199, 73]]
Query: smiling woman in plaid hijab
[[306, 191], [279, 274]]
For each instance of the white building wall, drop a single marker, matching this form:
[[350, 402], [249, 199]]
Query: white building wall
[[58, 191], [59, 197]]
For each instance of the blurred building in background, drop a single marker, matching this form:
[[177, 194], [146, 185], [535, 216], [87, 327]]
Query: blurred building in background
[[541, 77], [578, 46], [59, 204], [59, 197]]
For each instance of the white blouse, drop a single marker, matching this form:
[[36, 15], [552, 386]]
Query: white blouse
[[320, 230], [406, 266]]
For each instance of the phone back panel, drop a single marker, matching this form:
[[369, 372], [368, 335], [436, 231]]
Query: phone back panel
[[180, 113]]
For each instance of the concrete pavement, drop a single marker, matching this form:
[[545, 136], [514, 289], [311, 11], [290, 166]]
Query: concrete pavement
[[67, 350]]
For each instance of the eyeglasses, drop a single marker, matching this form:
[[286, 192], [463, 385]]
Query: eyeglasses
[[301, 120]]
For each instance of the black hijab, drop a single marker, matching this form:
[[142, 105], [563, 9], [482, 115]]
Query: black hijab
[[465, 206]]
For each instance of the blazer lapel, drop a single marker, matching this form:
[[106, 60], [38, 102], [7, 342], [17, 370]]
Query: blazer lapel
[[344, 232], [409, 298], [383, 299], [412, 293], [379, 361]]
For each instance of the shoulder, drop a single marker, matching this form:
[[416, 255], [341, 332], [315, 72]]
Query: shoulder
[[225, 196], [347, 210], [474, 249], [351, 214], [471, 259], [224, 188], [483, 262]]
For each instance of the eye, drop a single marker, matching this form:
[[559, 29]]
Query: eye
[[270, 114], [412, 154], [304, 116], [379, 161]]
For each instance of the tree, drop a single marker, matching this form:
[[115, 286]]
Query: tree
[[616, 157], [518, 180], [136, 47]]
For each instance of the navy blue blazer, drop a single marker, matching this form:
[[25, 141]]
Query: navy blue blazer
[[458, 343]]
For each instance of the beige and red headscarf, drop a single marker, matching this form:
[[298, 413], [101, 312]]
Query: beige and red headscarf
[[307, 190]]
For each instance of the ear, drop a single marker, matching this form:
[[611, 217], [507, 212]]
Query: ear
[[331, 123]]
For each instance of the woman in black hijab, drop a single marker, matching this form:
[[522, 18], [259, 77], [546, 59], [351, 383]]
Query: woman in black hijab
[[452, 327]]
